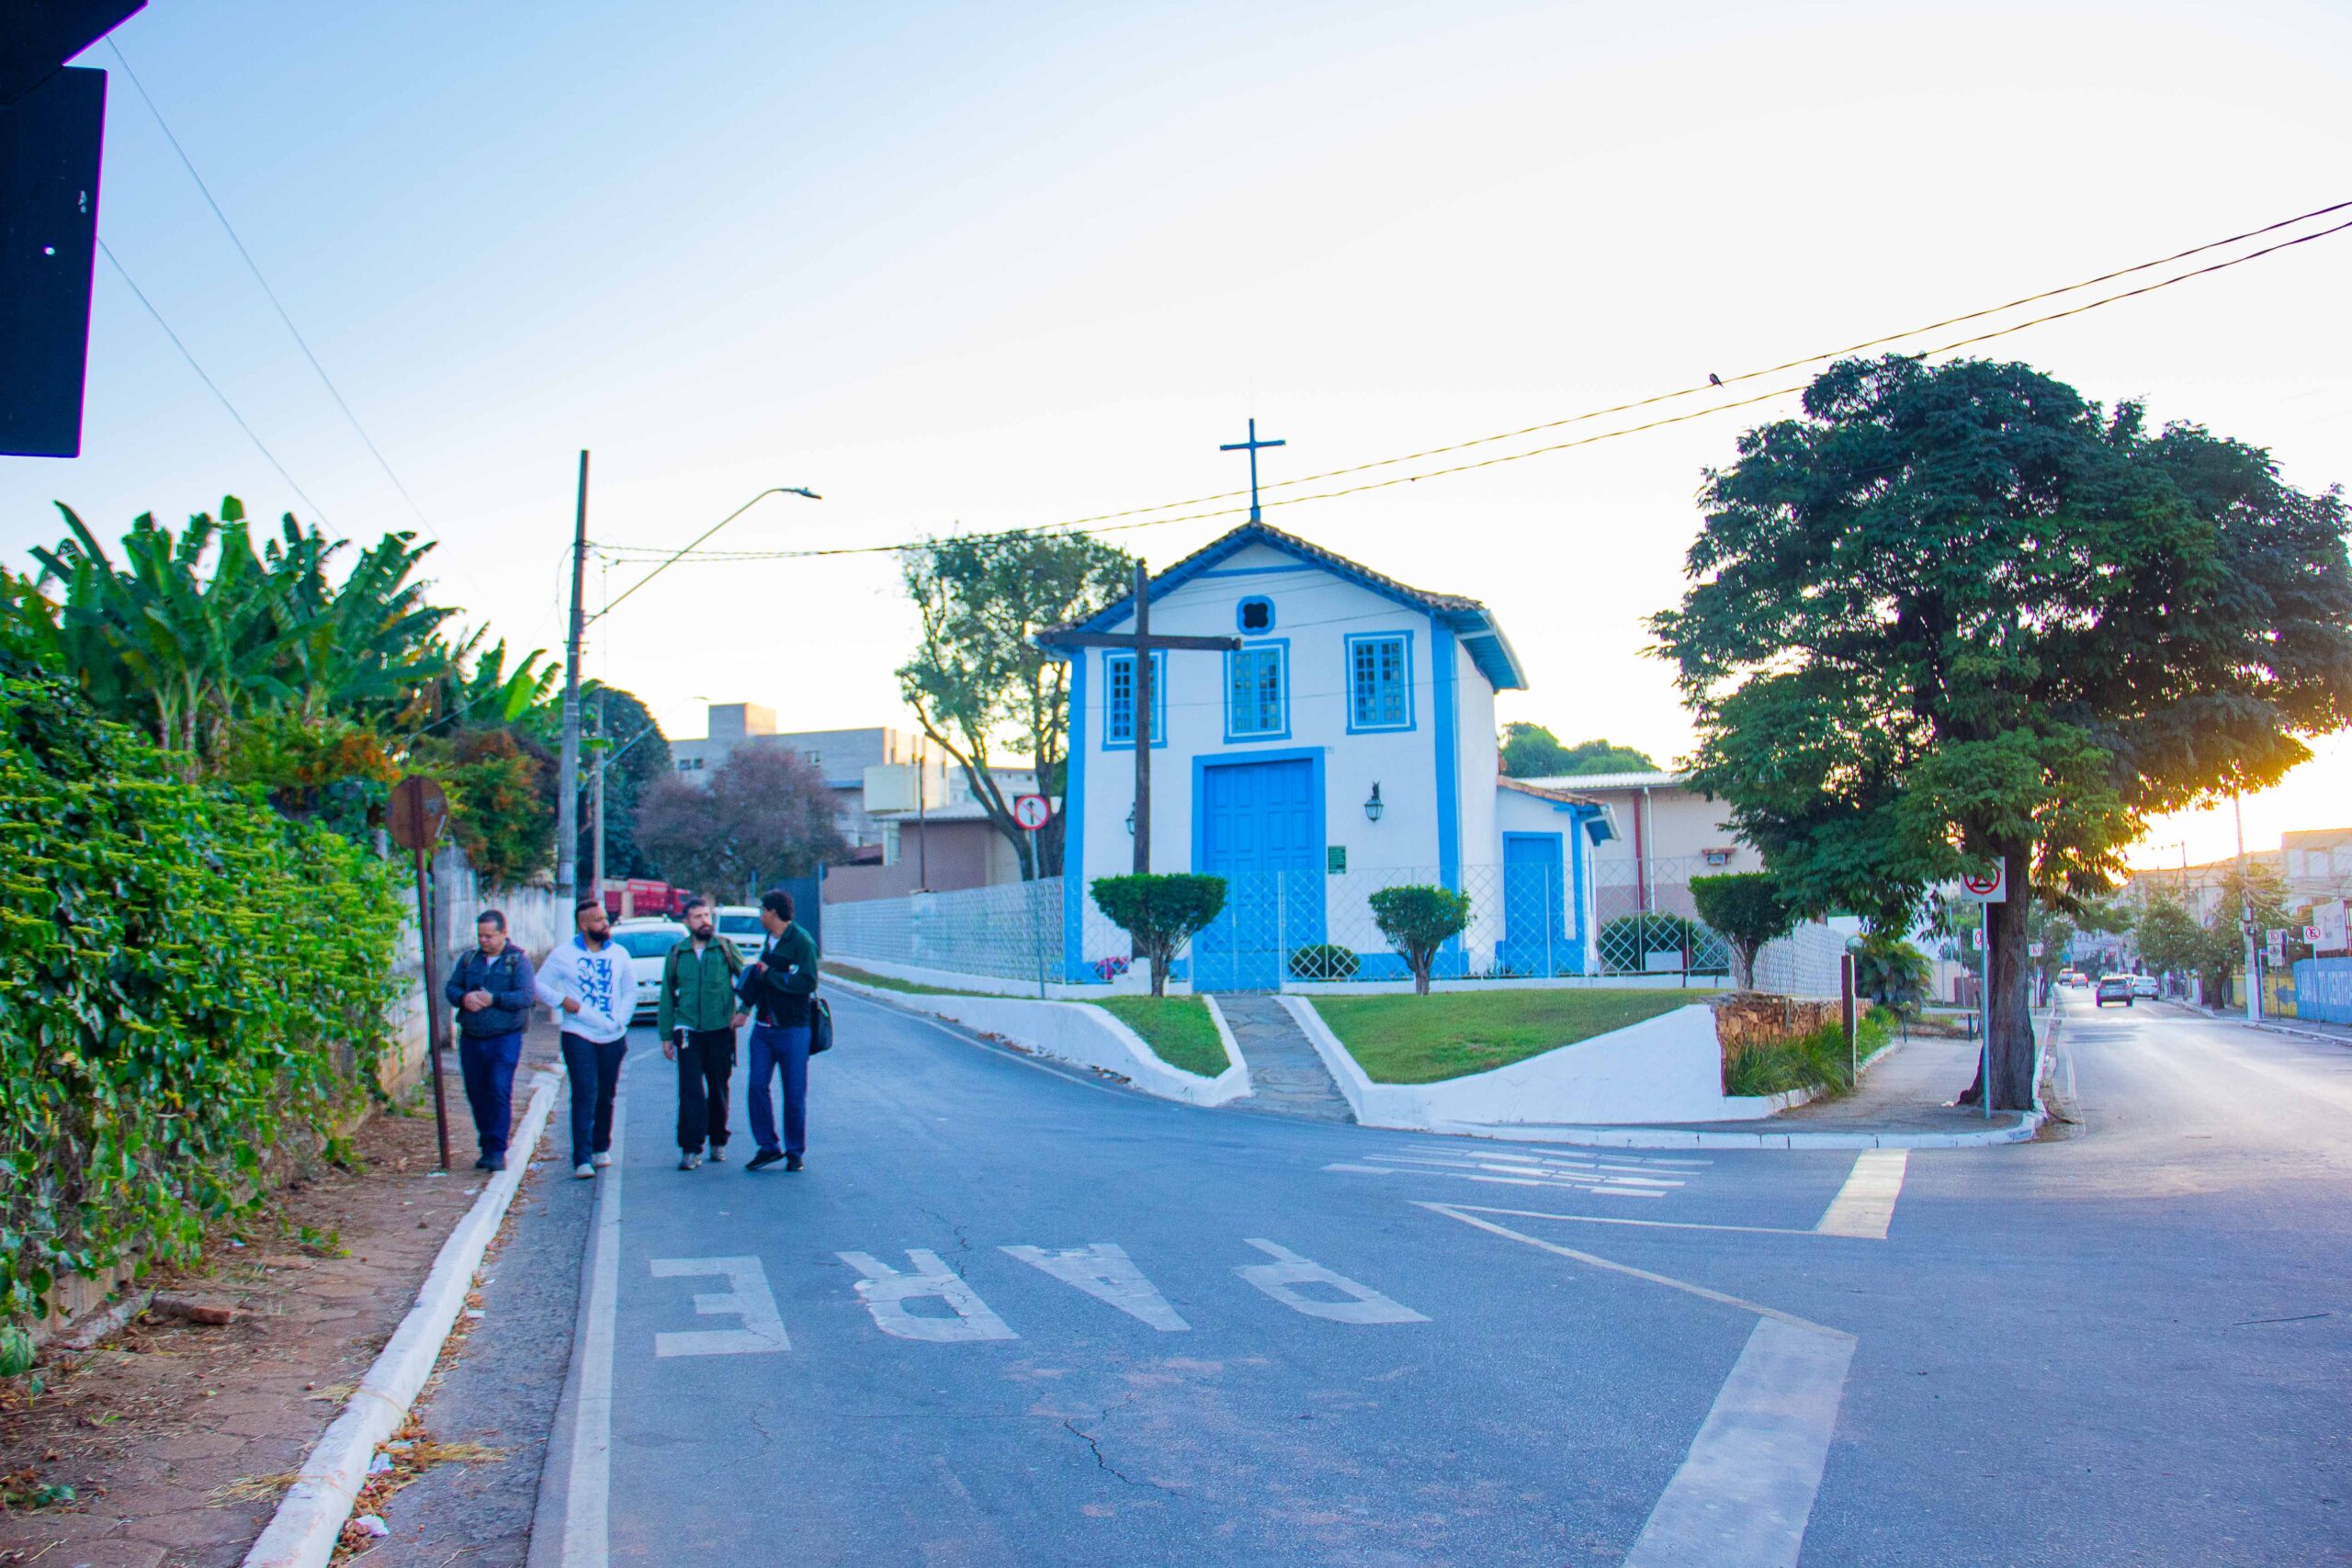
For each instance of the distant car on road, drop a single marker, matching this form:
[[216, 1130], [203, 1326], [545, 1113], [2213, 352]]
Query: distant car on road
[[2113, 989], [740, 923], [648, 943], [2144, 986]]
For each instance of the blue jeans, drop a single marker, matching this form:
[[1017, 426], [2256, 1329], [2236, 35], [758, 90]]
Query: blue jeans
[[772, 1048], [595, 1067], [487, 1063]]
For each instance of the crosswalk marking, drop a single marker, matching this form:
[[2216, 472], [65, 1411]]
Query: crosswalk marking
[[1281, 1278], [1614, 1175], [886, 1294], [1864, 1207], [1105, 1272], [748, 1297]]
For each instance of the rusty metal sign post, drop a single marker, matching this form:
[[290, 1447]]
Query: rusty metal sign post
[[417, 812]]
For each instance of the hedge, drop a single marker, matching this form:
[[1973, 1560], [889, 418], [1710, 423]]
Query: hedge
[[196, 993]]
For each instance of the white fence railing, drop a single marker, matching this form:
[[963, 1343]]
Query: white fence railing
[[1306, 926]]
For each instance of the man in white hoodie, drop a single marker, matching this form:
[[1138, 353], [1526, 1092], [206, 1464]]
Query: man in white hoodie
[[590, 983]]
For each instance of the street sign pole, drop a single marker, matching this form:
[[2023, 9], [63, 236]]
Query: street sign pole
[[1984, 1003]]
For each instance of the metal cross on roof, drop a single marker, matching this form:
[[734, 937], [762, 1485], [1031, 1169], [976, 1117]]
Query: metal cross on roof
[[1251, 446]]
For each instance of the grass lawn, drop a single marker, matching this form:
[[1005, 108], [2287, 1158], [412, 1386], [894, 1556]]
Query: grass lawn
[[891, 982], [1178, 1029], [1411, 1039]]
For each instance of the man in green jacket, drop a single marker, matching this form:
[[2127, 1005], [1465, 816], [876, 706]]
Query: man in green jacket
[[697, 1018]]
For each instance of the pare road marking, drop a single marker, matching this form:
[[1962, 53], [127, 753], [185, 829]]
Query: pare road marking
[[1281, 1278], [1105, 1272], [886, 1294], [748, 1297]]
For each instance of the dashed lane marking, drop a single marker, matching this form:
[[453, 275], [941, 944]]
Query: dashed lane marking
[[1865, 1206], [1610, 1177]]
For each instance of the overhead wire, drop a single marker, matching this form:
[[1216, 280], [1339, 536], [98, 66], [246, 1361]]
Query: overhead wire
[[271, 294], [214, 387], [627, 553]]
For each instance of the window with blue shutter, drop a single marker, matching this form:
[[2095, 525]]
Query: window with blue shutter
[[1256, 701], [1380, 680]]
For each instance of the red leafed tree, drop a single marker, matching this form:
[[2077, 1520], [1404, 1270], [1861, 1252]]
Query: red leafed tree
[[765, 815]]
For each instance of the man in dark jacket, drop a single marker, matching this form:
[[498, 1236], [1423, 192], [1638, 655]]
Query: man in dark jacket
[[778, 987], [490, 988], [697, 1020]]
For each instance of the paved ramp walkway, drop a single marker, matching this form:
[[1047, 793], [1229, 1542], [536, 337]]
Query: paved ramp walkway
[[1285, 1075]]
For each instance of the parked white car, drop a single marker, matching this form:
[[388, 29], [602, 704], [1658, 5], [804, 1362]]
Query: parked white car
[[740, 923], [648, 943], [2144, 986]]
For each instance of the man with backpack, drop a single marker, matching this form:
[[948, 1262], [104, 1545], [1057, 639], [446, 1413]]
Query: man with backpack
[[491, 988], [778, 988], [697, 1020]]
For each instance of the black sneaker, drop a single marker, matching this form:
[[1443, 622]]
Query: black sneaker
[[763, 1159], [792, 1162], [483, 1163]]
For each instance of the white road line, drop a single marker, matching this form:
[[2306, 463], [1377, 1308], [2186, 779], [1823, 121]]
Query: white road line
[[1746, 1489], [1281, 1278], [748, 1297], [1105, 1272], [1864, 1207], [886, 1294], [1745, 1492], [587, 1536], [1645, 1224]]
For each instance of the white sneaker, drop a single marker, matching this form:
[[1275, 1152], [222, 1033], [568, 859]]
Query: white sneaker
[[585, 1172], [604, 1159], [718, 1156]]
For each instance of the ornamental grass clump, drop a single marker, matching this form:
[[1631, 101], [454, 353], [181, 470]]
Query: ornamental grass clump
[[197, 991]]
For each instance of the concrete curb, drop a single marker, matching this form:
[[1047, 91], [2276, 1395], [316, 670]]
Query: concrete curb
[[302, 1534], [1670, 1139]]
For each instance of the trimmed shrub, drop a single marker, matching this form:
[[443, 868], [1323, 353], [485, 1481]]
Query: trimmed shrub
[[1159, 912], [196, 986], [1748, 909], [1418, 922], [1323, 960]]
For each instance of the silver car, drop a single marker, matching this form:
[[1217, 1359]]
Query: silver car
[[648, 943]]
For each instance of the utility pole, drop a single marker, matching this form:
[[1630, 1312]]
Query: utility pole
[[2246, 919], [596, 795], [922, 820], [567, 794]]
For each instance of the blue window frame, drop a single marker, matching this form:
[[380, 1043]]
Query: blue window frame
[[1257, 691], [1380, 680], [1119, 701], [1254, 615]]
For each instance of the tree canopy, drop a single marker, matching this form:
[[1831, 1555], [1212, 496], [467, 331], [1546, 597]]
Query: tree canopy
[[1531, 751], [980, 687], [765, 814], [1959, 614]]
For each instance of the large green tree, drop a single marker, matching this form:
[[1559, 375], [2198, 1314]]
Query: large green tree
[[1531, 751], [980, 686], [1957, 616]]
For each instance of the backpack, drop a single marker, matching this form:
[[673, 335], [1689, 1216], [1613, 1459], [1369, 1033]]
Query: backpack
[[821, 1025]]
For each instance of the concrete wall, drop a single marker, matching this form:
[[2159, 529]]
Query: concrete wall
[[1668, 1069]]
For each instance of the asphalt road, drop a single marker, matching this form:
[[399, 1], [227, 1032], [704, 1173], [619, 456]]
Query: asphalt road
[[1232, 1338]]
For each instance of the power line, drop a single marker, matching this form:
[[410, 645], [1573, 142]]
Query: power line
[[124, 274], [271, 294], [618, 552]]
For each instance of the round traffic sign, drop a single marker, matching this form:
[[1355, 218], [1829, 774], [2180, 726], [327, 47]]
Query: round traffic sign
[[416, 811], [1981, 882], [1031, 811]]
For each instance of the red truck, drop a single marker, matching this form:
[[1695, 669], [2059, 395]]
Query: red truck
[[638, 898]]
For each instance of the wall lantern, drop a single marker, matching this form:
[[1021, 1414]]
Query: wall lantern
[[1373, 807], [1131, 821]]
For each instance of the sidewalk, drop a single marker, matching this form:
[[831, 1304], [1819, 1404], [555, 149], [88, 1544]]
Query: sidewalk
[[1900, 1104], [177, 1439]]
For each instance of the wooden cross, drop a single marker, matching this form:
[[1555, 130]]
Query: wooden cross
[[1144, 645], [1251, 446]]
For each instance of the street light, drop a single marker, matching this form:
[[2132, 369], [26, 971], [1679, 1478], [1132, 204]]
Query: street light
[[707, 533]]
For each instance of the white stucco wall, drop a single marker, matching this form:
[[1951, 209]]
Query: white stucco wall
[[1315, 611]]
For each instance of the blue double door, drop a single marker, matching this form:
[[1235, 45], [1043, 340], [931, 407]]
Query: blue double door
[[1259, 826], [1536, 938]]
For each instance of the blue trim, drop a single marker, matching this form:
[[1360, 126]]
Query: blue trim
[[1241, 618], [1348, 679], [1580, 946], [1159, 702], [1449, 774], [1226, 701], [1256, 571], [1074, 831]]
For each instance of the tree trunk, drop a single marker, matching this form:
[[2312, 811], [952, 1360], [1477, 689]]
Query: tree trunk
[[1422, 963], [1158, 972], [2009, 1011], [1745, 956]]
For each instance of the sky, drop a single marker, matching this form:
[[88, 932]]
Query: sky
[[955, 266]]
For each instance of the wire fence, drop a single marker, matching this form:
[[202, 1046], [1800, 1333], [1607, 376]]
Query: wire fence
[[1303, 927]]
